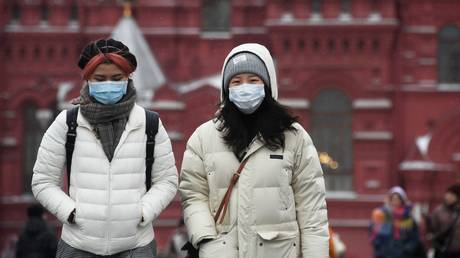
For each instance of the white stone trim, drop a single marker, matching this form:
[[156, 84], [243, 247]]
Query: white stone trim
[[341, 195], [43, 116], [248, 30], [170, 30], [455, 87], [316, 17], [259, 3], [374, 17], [9, 141], [427, 61], [456, 156], [345, 17], [372, 184], [407, 78], [14, 199], [9, 114], [423, 165], [349, 223], [148, 30], [372, 104], [175, 135], [163, 3], [40, 28], [373, 135], [421, 29], [316, 20], [167, 105], [65, 105], [427, 82], [432, 86], [418, 87], [287, 17], [352, 196], [156, 105], [214, 81], [98, 29], [408, 54], [295, 103], [215, 35]]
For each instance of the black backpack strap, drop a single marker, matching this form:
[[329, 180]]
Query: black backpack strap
[[151, 129], [71, 121]]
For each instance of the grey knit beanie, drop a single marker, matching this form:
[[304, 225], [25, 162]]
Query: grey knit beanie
[[245, 62]]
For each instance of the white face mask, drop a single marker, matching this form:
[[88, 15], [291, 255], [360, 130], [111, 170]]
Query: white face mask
[[247, 97]]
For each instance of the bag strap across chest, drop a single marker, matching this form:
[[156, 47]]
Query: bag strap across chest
[[224, 203]]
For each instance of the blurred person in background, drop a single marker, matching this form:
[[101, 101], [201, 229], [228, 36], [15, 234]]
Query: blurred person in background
[[393, 230], [36, 240], [9, 248], [278, 207], [108, 210], [178, 240], [445, 225], [336, 246]]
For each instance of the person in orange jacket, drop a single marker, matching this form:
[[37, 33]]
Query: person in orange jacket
[[331, 244]]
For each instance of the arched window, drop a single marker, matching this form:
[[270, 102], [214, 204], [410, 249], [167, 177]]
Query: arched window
[[345, 45], [44, 13], [331, 132], [64, 52], [22, 53], [287, 46], [50, 53], [37, 52], [73, 17], [345, 6], [316, 7], [449, 54], [31, 141], [216, 15], [35, 122], [15, 13], [375, 6], [301, 44]]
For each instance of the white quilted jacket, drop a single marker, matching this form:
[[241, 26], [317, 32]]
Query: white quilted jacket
[[110, 198]]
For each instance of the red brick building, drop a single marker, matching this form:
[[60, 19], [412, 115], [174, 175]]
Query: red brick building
[[375, 82]]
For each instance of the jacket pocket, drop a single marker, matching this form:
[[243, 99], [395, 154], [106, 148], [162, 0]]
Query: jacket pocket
[[140, 209], [78, 221], [278, 244], [225, 246]]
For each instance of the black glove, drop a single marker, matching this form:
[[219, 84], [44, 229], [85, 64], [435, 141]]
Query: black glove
[[71, 218], [192, 252]]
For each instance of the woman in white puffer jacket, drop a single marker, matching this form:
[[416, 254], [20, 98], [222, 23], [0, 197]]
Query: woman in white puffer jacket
[[277, 208], [108, 210]]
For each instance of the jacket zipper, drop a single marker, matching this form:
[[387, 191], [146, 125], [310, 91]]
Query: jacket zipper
[[109, 208]]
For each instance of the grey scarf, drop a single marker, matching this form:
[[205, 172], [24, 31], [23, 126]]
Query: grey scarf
[[108, 121]]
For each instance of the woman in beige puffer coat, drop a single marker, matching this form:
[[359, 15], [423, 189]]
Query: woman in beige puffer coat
[[277, 208]]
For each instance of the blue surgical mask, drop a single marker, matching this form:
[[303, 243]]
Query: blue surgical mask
[[108, 92], [247, 97]]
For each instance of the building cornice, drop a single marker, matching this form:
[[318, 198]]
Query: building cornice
[[424, 165], [373, 135], [372, 104], [295, 22]]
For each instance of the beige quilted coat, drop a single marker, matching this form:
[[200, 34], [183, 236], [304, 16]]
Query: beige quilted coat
[[277, 208]]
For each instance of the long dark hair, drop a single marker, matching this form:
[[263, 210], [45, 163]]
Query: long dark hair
[[268, 122]]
